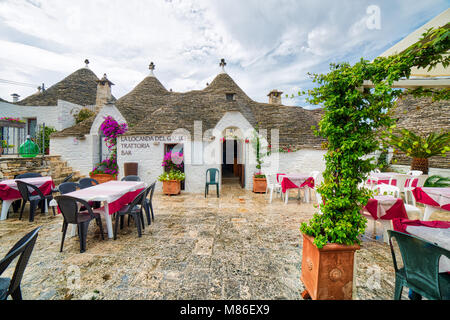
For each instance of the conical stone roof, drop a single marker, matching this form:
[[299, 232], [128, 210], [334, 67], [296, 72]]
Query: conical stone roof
[[79, 87]]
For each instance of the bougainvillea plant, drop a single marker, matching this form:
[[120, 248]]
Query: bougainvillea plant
[[351, 122], [173, 161], [16, 120], [111, 130]]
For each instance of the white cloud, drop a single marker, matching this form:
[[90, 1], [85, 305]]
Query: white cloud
[[267, 44]]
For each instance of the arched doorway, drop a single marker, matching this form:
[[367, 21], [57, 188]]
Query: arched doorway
[[233, 166]]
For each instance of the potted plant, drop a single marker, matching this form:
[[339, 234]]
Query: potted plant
[[105, 171], [353, 117], [417, 147], [108, 169], [172, 181], [4, 145], [173, 175], [43, 138], [259, 179]]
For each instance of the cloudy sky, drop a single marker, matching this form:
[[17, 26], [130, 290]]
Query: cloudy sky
[[267, 44]]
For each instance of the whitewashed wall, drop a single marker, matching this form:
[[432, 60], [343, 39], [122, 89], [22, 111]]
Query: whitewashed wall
[[58, 117], [81, 155]]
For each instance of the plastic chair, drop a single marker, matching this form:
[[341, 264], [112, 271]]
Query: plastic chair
[[24, 248], [134, 209], [69, 207], [272, 185], [131, 178], [420, 270], [28, 175], [409, 187], [148, 203], [87, 183], [68, 187], [24, 189], [213, 173]]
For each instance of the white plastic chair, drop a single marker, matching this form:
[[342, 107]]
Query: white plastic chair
[[409, 188], [272, 185]]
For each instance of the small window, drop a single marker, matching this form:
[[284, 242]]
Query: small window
[[230, 96]]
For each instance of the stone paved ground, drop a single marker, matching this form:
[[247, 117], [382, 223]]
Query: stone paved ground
[[235, 247]]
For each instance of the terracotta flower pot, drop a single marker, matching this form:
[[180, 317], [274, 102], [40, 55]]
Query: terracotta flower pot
[[102, 178], [1, 151], [171, 187], [420, 164], [259, 185], [327, 273]]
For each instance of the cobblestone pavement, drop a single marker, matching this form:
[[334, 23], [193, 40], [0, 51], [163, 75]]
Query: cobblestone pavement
[[234, 247]]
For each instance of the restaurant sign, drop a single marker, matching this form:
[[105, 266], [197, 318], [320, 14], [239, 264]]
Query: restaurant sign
[[130, 143]]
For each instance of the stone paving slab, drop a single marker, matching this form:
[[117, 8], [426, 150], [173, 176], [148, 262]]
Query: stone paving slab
[[236, 247]]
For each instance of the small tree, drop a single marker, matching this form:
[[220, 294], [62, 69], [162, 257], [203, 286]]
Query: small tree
[[352, 119]]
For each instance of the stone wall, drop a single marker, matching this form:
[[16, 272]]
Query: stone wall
[[47, 166], [422, 116]]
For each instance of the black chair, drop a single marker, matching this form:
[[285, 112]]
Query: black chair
[[28, 175], [72, 215], [67, 179], [64, 181], [131, 178], [24, 248], [420, 270], [24, 189], [87, 183], [134, 210], [16, 204], [68, 187], [148, 206]]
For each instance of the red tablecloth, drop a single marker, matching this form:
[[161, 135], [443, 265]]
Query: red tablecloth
[[400, 224], [287, 183], [8, 193], [383, 178], [386, 208], [436, 197]]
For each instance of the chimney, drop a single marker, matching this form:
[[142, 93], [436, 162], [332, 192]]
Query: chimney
[[15, 97], [103, 92], [275, 97]]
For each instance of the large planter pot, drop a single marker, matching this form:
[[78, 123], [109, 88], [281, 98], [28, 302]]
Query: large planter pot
[[172, 187], [102, 178], [327, 273], [1, 151], [259, 185], [420, 164]]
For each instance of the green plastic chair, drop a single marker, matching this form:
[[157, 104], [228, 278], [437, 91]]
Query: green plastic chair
[[421, 267], [213, 173]]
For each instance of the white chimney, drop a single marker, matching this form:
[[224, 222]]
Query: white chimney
[[275, 97], [103, 92], [15, 97]]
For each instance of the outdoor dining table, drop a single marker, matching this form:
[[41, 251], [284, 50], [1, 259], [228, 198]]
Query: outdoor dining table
[[9, 192], [385, 177], [384, 208], [433, 198], [437, 232], [295, 181], [113, 194]]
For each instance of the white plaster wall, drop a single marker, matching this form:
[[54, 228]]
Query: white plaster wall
[[58, 117], [79, 154], [107, 110]]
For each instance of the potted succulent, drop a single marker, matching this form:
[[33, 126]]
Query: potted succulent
[[353, 117], [419, 148], [173, 174]]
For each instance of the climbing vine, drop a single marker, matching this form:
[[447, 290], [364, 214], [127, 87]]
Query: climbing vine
[[353, 117]]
